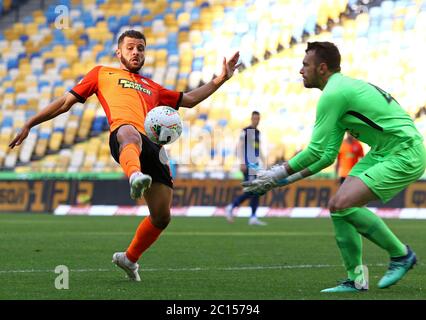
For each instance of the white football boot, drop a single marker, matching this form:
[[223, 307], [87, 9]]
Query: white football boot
[[131, 268], [139, 182], [228, 213], [254, 221]]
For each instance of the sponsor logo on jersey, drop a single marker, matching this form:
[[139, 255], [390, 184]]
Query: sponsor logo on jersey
[[133, 85]]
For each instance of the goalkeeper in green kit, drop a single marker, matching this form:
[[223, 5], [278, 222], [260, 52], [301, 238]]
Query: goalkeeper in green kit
[[397, 158]]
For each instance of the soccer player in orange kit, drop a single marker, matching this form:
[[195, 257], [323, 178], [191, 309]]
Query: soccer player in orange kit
[[126, 98], [349, 154]]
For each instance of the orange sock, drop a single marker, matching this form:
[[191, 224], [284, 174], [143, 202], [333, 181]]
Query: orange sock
[[146, 234], [129, 159]]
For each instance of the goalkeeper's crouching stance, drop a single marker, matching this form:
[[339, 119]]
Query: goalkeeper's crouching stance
[[397, 158]]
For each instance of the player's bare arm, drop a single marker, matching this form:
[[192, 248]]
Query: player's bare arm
[[55, 108], [192, 98]]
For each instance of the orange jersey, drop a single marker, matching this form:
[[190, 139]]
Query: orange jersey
[[349, 155], [126, 97]]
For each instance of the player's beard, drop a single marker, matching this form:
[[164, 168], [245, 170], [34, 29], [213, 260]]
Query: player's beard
[[130, 67], [311, 83]]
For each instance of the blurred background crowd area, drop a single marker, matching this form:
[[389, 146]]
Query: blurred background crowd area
[[46, 47]]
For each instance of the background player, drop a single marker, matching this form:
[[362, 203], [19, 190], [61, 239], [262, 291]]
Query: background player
[[126, 97], [396, 159], [250, 153], [349, 154]]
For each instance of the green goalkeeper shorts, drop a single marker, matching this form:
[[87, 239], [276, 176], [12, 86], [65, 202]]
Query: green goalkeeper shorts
[[387, 176]]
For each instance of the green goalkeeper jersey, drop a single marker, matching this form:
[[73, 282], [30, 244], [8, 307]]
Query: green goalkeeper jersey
[[367, 112]]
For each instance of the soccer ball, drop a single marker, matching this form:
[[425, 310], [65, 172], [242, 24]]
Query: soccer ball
[[163, 125]]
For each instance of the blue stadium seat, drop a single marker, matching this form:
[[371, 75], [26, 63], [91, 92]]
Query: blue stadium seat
[[29, 114], [66, 3], [205, 4], [99, 125], [222, 123], [41, 84], [179, 11], [12, 63], [87, 19], [44, 135], [147, 24], [113, 24], [7, 122], [184, 29], [310, 24], [102, 54], [195, 13], [50, 14], [124, 20], [58, 83], [38, 72], [24, 38], [203, 116], [145, 12], [21, 101], [169, 10]]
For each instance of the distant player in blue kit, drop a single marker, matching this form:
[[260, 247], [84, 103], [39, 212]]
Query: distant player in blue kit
[[249, 150]]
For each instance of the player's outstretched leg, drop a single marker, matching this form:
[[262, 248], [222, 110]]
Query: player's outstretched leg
[[158, 198]]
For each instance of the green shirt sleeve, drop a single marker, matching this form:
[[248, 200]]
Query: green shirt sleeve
[[330, 107], [331, 152]]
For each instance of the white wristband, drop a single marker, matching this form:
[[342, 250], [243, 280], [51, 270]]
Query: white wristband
[[295, 177]]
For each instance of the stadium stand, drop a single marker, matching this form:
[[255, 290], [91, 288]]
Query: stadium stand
[[7, 5], [186, 42]]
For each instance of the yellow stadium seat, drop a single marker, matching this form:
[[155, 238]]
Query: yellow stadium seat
[[55, 141], [41, 147]]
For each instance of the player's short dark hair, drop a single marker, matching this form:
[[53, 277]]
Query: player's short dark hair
[[131, 34], [254, 113], [326, 52]]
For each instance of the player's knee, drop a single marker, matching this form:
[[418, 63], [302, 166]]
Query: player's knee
[[161, 221], [128, 135], [338, 203]]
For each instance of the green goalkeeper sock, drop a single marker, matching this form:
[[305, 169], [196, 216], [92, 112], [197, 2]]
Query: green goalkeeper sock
[[349, 242], [374, 229]]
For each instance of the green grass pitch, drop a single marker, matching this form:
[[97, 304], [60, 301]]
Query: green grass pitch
[[195, 258]]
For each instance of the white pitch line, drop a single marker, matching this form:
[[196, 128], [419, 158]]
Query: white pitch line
[[278, 267]]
